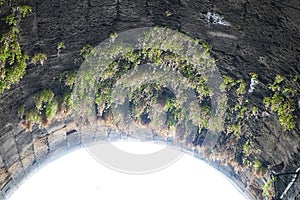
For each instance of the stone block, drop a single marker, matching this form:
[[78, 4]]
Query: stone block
[[23, 141], [8, 187], [73, 139], [58, 150], [19, 179], [56, 137], [4, 175], [32, 169], [27, 151], [28, 160], [41, 148], [16, 168], [40, 144], [8, 149]]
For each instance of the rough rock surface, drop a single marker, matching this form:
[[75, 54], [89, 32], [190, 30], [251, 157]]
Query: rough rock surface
[[263, 37]]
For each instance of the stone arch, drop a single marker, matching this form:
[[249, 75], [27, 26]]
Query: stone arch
[[61, 139], [245, 36]]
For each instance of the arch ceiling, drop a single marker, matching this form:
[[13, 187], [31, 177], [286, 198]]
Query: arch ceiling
[[246, 86]]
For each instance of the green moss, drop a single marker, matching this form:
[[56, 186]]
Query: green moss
[[51, 110], [295, 79], [103, 95], [158, 54], [279, 78], [40, 57], [242, 87], [283, 102], [204, 119], [241, 113], [257, 164], [200, 85], [236, 128], [227, 84], [206, 47], [254, 109], [259, 168], [268, 190], [33, 116], [254, 75], [70, 79], [246, 147], [44, 97], [173, 112], [132, 59], [10, 20], [142, 99], [67, 99], [86, 50], [60, 46], [25, 10], [113, 36], [168, 13], [48, 106], [2, 2]]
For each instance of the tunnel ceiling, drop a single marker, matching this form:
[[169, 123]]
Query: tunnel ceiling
[[255, 46]]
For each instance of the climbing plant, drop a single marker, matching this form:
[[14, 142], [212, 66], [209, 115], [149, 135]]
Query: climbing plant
[[13, 60], [283, 101], [268, 188], [141, 101], [235, 114], [48, 108]]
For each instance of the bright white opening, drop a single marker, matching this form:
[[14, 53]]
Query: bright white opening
[[78, 176]]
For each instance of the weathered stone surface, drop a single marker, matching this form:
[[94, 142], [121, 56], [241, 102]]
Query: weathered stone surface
[[8, 187], [8, 149], [41, 148], [4, 175], [263, 38], [28, 160], [99, 3]]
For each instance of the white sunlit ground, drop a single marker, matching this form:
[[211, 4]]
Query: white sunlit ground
[[77, 176]]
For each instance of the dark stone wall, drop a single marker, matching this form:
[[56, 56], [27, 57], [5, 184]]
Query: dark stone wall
[[264, 37]]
